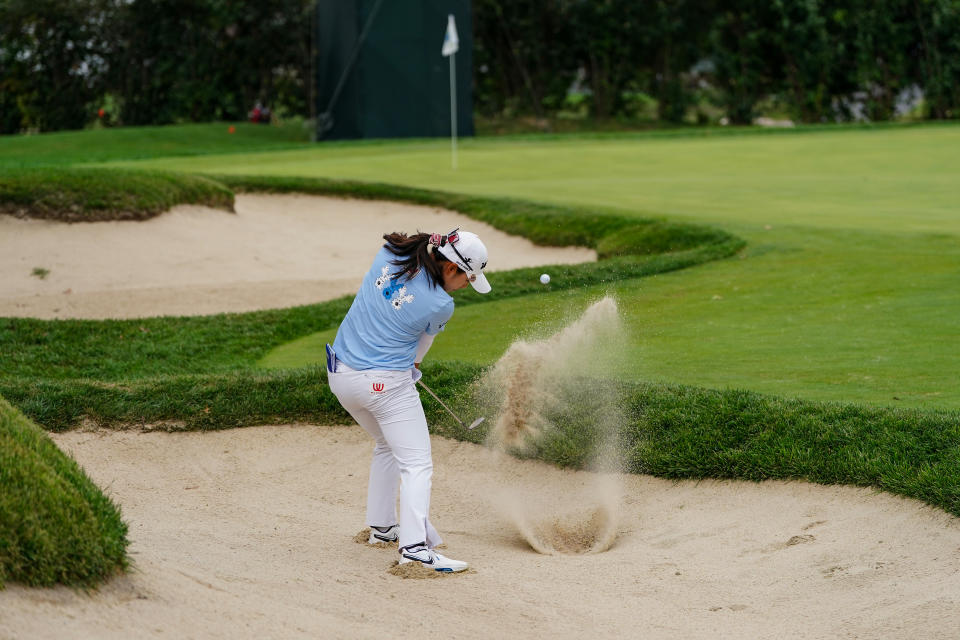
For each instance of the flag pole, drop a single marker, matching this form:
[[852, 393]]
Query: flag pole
[[453, 111]]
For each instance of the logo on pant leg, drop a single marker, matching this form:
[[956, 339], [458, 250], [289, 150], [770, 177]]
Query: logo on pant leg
[[377, 387]]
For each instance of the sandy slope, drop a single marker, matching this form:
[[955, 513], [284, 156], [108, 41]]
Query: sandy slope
[[249, 534], [276, 251]]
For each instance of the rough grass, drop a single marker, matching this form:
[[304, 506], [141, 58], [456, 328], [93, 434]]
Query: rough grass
[[55, 524], [90, 195], [671, 431]]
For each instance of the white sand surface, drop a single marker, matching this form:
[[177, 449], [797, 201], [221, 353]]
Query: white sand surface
[[275, 251], [248, 533]]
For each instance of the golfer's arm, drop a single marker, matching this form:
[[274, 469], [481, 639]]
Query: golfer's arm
[[426, 340]]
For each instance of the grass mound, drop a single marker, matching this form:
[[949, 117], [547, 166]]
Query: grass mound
[[56, 526], [90, 195], [657, 237], [543, 224]]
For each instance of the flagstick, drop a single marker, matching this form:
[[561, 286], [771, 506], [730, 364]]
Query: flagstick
[[453, 111]]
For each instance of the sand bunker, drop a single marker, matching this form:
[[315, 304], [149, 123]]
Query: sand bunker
[[248, 533], [276, 251]]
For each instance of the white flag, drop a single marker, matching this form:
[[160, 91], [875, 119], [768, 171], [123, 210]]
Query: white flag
[[451, 43]]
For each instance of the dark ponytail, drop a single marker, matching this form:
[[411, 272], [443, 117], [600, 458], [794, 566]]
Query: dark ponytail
[[415, 253]]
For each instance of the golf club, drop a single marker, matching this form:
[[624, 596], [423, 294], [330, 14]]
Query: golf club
[[472, 424]]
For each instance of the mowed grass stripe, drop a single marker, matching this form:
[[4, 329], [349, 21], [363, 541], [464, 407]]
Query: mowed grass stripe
[[101, 145], [821, 309], [890, 179], [842, 336]]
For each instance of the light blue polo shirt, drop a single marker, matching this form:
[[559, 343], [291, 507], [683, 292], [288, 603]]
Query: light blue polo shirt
[[387, 318]]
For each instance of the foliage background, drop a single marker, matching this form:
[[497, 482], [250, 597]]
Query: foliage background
[[164, 61]]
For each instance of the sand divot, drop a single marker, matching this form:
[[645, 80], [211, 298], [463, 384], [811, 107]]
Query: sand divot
[[575, 533], [363, 538], [546, 395], [572, 515], [411, 570]]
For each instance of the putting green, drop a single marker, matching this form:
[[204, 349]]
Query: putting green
[[893, 179], [845, 291], [783, 320]]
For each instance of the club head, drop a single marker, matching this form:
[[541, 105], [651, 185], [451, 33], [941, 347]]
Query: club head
[[476, 422]]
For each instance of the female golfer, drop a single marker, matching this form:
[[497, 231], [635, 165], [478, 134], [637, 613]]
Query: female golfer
[[373, 368]]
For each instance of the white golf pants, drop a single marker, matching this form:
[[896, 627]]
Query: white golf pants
[[386, 404]]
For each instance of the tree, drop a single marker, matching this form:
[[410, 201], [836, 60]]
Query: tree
[[884, 48], [677, 38], [745, 55], [938, 53], [523, 54], [52, 62], [210, 59], [809, 56], [612, 45]]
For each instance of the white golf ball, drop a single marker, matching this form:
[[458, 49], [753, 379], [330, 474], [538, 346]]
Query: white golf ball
[[544, 278]]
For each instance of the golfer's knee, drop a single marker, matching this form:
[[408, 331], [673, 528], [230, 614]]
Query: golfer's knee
[[420, 465]]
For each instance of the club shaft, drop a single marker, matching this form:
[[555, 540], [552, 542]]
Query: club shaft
[[430, 391]]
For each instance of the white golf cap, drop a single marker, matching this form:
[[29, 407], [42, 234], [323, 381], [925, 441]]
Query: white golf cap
[[465, 250]]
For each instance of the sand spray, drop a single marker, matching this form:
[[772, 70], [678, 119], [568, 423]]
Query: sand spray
[[555, 398]]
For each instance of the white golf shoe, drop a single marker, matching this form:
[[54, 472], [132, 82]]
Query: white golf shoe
[[381, 534], [430, 559]]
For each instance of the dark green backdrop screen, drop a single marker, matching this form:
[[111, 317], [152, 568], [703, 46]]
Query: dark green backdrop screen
[[399, 83]]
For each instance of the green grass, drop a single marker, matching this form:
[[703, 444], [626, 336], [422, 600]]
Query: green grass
[[124, 350], [55, 524], [844, 297], [893, 179], [101, 145], [809, 321], [842, 335], [87, 195], [671, 431]]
